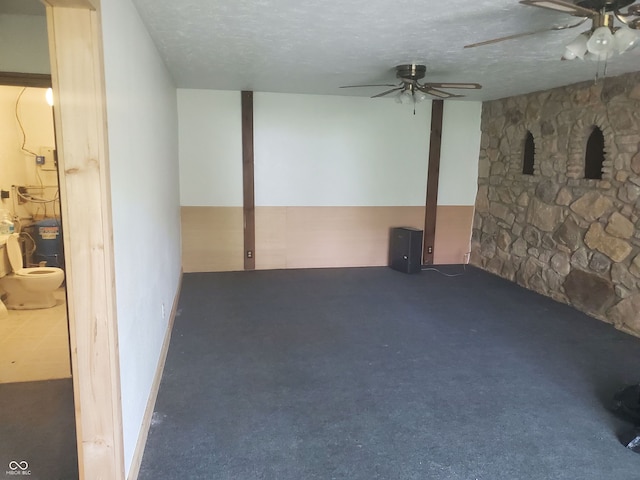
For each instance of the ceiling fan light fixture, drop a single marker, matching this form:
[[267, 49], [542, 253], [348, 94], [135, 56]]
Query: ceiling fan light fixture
[[405, 96], [420, 96], [601, 42], [625, 39], [577, 48]]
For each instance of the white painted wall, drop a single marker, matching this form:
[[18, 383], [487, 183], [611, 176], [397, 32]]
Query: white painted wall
[[458, 181], [143, 156], [339, 151], [309, 150], [24, 45], [210, 130]]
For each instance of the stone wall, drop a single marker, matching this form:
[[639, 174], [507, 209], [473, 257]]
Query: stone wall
[[555, 232]]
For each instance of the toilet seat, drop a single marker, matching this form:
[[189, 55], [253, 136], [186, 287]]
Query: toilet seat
[[14, 252], [36, 271]]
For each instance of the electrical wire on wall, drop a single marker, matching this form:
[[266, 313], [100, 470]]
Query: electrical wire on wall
[[24, 134], [25, 193], [39, 201]]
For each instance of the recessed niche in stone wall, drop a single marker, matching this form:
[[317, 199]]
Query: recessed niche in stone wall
[[529, 155], [556, 232], [594, 155]]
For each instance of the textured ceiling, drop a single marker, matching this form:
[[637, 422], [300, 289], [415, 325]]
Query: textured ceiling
[[314, 46]]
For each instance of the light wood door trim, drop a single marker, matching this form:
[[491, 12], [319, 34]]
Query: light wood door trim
[[75, 43], [248, 182], [433, 173]]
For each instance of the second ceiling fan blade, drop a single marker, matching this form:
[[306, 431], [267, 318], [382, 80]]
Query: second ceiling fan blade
[[437, 93], [466, 86], [377, 85], [387, 92], [526, 34], [561, 6]]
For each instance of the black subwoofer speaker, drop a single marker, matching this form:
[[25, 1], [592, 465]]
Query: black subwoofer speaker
[[405, 249]]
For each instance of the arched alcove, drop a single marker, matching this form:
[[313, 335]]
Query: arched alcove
[[529, 153], [594, 155], [591, 149]]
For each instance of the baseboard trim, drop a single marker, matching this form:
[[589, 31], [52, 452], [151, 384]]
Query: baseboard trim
[[136, 462]]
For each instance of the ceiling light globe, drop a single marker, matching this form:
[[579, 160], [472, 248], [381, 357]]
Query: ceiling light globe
[[577, 48], [626, 39], [601, 42], [407, 96]]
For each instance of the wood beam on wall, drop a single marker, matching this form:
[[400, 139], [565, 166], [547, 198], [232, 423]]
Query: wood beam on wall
[[433, 174], [15, 79], [248, 195]]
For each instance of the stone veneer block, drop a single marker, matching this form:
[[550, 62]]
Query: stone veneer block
[[592, 205], [626, 313], [614, 248], [589, 291], [543, 216], [619, 226]]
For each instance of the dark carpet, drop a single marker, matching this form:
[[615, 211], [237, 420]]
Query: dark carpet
[[37, 431], [368, 373]]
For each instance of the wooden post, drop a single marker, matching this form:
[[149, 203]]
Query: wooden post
[[75, 45], [248, 182], [433, 173]]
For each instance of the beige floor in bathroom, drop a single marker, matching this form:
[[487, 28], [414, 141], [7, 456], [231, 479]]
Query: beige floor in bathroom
[[34, 344]]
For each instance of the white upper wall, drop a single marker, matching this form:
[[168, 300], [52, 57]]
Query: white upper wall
[[210, 127], [458, 181], [339, 151], [24, 45], [143, 161], [309, 150], [314, 150]]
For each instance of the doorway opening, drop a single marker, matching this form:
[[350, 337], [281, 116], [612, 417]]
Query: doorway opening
[[36, 390]]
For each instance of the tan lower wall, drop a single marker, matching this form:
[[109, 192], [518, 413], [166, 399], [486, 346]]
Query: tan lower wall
[[212, 239], [453, 234], [314, 237], [308, 237]]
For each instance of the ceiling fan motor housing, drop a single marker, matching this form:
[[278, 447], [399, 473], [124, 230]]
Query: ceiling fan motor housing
[[411, 72], [607, 5]]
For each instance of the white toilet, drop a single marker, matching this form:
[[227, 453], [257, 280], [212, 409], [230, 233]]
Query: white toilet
[[28, 288]]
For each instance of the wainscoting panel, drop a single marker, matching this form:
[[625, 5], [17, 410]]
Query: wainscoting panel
[[453, 234], [212, 239], [314, 237]]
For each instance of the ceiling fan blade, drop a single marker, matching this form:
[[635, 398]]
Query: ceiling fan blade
[[467, 86], [561, 6], [519, 35], [438, 93], [377, 85], [387, 92]]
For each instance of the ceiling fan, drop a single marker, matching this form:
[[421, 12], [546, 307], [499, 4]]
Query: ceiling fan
[[411, 90], [602, 40]]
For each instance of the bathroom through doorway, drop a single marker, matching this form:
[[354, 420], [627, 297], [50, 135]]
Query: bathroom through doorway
[[35, 366]]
